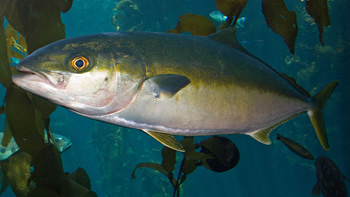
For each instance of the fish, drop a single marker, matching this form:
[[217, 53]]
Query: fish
[[218, 16], [241, 21], [62, 144], [330, 180], [19, 51], [295, 147], [18, 48], [170, 84]]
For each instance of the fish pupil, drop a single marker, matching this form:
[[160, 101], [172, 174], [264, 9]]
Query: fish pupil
[[79, 63]]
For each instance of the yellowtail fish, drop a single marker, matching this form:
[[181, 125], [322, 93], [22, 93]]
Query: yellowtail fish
[[170, 84], [295, 147], [330, 180]]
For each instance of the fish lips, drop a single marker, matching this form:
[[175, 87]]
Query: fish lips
[[30, 77]]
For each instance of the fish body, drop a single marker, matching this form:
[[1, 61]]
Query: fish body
[[169, 83], [217, 16], [295, 147], [62, 144], [330, 180]]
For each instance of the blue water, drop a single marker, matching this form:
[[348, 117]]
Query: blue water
[[262, 170]]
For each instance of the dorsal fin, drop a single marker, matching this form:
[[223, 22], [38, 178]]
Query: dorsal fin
[[228, 37]]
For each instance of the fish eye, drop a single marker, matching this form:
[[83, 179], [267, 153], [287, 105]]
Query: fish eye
[[79, 63]]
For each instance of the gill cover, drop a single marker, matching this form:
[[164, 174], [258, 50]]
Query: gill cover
[[114, 82]]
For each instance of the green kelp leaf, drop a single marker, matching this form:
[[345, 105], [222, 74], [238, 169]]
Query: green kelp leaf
[[281, 21], [169, 159], [231, 8], [66, 5], [48, 171], [20, 115], [156, 167], [4, 180], [318, 10], [46, 107], [189, 166], [190, 152], [5, 72], [42, 191], [18, 173], [41, 25], [80, 176], [225, 152], [7, 135], [50, 179], [195, 24]]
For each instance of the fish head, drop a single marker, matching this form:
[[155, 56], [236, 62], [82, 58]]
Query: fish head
[[62, 143], [91, 75]]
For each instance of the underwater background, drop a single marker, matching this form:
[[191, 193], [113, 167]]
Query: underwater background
[[109, 153]]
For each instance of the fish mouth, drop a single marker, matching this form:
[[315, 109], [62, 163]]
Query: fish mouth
[[34, 76], [30, 75]]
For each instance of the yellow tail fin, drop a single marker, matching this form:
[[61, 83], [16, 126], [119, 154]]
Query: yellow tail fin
[[315, 114]]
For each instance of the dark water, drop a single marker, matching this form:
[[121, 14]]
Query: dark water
[[109, 159]]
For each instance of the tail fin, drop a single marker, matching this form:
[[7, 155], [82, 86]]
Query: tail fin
[[315, 114]]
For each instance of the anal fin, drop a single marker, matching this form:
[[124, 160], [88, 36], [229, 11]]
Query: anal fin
[[166, 139], [263, 135]]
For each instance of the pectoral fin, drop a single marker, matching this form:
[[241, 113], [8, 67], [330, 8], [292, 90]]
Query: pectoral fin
[[166, 140], [168, 84]]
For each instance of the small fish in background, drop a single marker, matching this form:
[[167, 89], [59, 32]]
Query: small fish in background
[[240, 22], [295, 147], [62, 144], [18, 50], [330, 180], [217, 16]]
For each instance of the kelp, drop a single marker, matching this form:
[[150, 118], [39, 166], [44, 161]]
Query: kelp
[[318, 10], [281, 21], [38, 21], [277, 16], [32, 25], [225, 153], [50, 178], [20, 114], [16, 43], [16, 172], [232, 9], [194, 24], [7, 135], [5, 71], [218, 154]]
